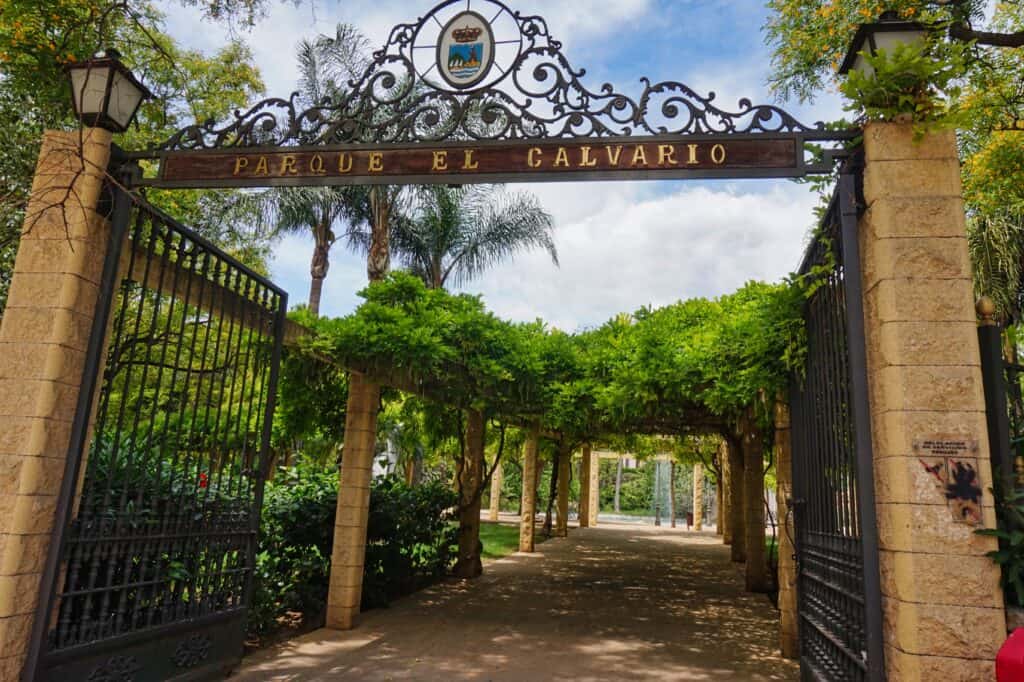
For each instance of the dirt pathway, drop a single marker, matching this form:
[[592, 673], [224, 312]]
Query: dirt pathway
[[611, 603]]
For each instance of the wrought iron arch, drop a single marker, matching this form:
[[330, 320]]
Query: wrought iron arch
[[537, 95]]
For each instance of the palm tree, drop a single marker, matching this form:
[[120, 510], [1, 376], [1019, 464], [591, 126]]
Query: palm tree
[[325, 64], [455, 234]]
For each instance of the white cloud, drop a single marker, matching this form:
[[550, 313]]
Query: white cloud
[[619, 252]]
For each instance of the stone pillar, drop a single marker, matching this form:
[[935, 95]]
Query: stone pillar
[[725, 511], [349, 552], [564, 467], [529, 490], [943, 607], [753, 502], [593, 481], [44, 335], [584, 512], [737, 518], [788, 623], [471, 490], [698, 496], [496, 481]]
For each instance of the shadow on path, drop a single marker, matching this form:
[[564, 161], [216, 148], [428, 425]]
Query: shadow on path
[[609, 603]]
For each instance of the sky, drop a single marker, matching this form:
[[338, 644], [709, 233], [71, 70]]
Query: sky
[[621, 245]]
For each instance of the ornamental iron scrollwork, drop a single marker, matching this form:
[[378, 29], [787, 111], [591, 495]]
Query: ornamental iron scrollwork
[[530, 92], [116, 669], [192, 651]]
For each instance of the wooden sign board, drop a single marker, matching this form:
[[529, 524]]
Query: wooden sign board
[[486, 162]]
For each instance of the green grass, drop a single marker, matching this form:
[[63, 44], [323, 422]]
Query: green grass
[[501, 539]]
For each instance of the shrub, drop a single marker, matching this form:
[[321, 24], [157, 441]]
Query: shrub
[[410, 544]]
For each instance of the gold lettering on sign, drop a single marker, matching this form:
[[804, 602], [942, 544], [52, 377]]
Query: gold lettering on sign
[[440, 161], [585, 160], [667, 155], [316, 165], [376, 162], [562, 158], [718, 154], [533, 157], [262, 168], [345, 162], [470, 164], [693, 155], [288, 165], [639, 156], [613, 154], [240, 163]]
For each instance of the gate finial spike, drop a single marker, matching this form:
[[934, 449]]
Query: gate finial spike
[[986, 309]]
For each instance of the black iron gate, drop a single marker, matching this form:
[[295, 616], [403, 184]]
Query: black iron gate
[[833, 488], [151, 569]]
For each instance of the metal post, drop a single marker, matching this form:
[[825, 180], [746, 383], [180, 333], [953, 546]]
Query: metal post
[[993, 373], [861, 410]]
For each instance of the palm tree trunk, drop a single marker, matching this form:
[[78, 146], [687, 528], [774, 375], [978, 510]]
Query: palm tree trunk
[[378, 261], [470, 486], [319, 266]]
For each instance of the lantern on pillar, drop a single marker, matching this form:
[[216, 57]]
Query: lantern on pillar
[[105, 93], [888, 33]]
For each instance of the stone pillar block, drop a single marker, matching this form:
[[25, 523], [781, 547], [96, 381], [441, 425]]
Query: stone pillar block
[[941, 598], [44, 333], [788, 616], [594, 483], [529, 490], [698, 497], [584, 511], [496, 481], [349, 549]]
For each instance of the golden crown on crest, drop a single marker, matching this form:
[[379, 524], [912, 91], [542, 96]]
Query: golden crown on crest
[[467, 34]]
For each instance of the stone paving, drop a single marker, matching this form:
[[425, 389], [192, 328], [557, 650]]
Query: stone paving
[[618, 602]]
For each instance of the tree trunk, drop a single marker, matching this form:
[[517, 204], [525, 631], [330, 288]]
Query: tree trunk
[[471, 479], [753, 501], [672, 492], [378, 261], [564, 463], [737, 518], [552, 494], [319, 266], [618, 483]]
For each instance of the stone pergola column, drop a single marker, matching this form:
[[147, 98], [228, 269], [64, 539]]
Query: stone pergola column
[[44, 335], [349, 552], [496, 481], [788, 619], [529, 490], [594, 483], [943, 607], [564, 469], [724, 520], [698, 496], [584, 514]]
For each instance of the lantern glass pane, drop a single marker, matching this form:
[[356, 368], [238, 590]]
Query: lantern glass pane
[[890, 40], [89, 86], [862, 66], [125, 98]]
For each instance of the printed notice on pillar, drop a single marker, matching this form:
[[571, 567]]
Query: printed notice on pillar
[[952, 464]]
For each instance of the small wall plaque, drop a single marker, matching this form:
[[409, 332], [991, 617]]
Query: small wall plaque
[[952, 462]]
